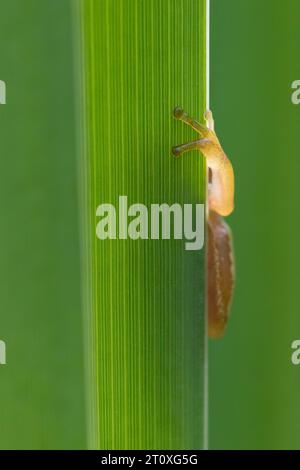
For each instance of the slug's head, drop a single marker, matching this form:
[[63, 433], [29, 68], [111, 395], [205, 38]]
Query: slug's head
[[178, 113]]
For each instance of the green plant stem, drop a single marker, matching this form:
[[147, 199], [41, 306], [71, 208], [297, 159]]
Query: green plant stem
[[144, 307]]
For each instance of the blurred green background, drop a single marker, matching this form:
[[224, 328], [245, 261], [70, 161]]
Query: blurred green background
[[41, 387], [254, 388]]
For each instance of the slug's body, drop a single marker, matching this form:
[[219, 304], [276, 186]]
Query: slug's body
[[220, 261]]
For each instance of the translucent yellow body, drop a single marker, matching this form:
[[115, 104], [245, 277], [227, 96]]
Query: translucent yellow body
[[220, 273]]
